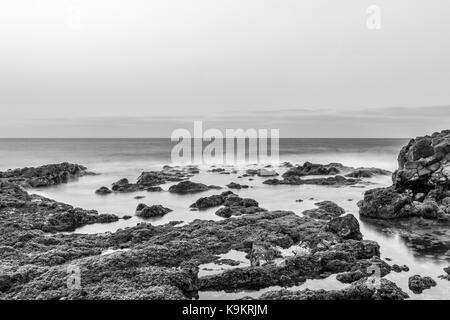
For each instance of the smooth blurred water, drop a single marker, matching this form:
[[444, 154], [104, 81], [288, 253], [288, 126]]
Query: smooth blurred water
[[127, 158]]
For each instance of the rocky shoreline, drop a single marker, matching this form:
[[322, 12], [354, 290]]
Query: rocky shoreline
[[38, 253]]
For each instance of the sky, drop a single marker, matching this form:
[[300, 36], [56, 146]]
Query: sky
[[136, 68]]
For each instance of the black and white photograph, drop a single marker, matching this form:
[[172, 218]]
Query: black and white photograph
[[203, 151]]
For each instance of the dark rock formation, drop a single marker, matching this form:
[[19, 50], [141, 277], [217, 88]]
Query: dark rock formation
[[145, 211], [350, 277], [186, 187], [21, 211], [417, 283], [397, 268], [234, 185], [421, 185], [367, 172], [103, 190], [44, 176], [236, 206], [326, 211], [360, 290], [212, 201], [309, 168], [329, 181], [347, 227]]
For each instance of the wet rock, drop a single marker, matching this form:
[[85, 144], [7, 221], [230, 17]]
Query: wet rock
[[350, 277], [212, 201], [420, 185], [237, 206], [417, 283], [360, 290], [186, 187], [309, 168], [397, 268], [337, 181], [103, 190], [347, 227], [44, 176], [234, 185], [145, 211], [367, 172], [326, 211]]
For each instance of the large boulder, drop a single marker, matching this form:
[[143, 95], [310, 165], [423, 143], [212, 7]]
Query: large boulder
[[421, 185], [346, 227]]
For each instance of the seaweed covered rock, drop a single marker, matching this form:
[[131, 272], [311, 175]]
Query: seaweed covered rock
[[186, 187], [309, 168], [417, 283]]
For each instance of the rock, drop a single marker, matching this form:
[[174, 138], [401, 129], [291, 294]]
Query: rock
[[397, 268], [417, 283], [350, 277], [367, 172], [420, 185], [236, 206], [309, 168], [234, 185], [360, 290], [326, 211], [212, 201], [139, 197], [145, 211], [346, 227], [186, 187], [44, 176], [103, 190], [330, 181]]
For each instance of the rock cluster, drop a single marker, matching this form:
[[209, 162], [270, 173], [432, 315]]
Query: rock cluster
[[417, 283], [421, 185], [44, 176]]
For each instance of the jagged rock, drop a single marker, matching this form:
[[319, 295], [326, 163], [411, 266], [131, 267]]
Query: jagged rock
[[329, 181], [360, 290], [350, 277], [44, 176], [103, 190], [417, 283], [212, 201], [309, 168], [346, 227], [367, 172], [397, 268], [145, 211], [326, 211], [421, 185]]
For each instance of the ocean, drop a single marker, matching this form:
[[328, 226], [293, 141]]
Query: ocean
[[114, 159]]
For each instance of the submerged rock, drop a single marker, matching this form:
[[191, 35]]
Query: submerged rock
[[417, 283], [367, 172], [329, 181]]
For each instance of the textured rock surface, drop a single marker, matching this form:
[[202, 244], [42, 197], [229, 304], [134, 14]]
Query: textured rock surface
[[44, 176], [186, 187], [417, 283], [145, 211], [361, 290], [326, 211], [421, 185]]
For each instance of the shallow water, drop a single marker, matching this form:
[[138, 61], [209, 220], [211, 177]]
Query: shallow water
[[127, 158]]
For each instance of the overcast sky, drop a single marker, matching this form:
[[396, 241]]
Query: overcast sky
[[140, 68]]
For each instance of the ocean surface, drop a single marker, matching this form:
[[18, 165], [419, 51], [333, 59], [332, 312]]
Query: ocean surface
[[114, 159]]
